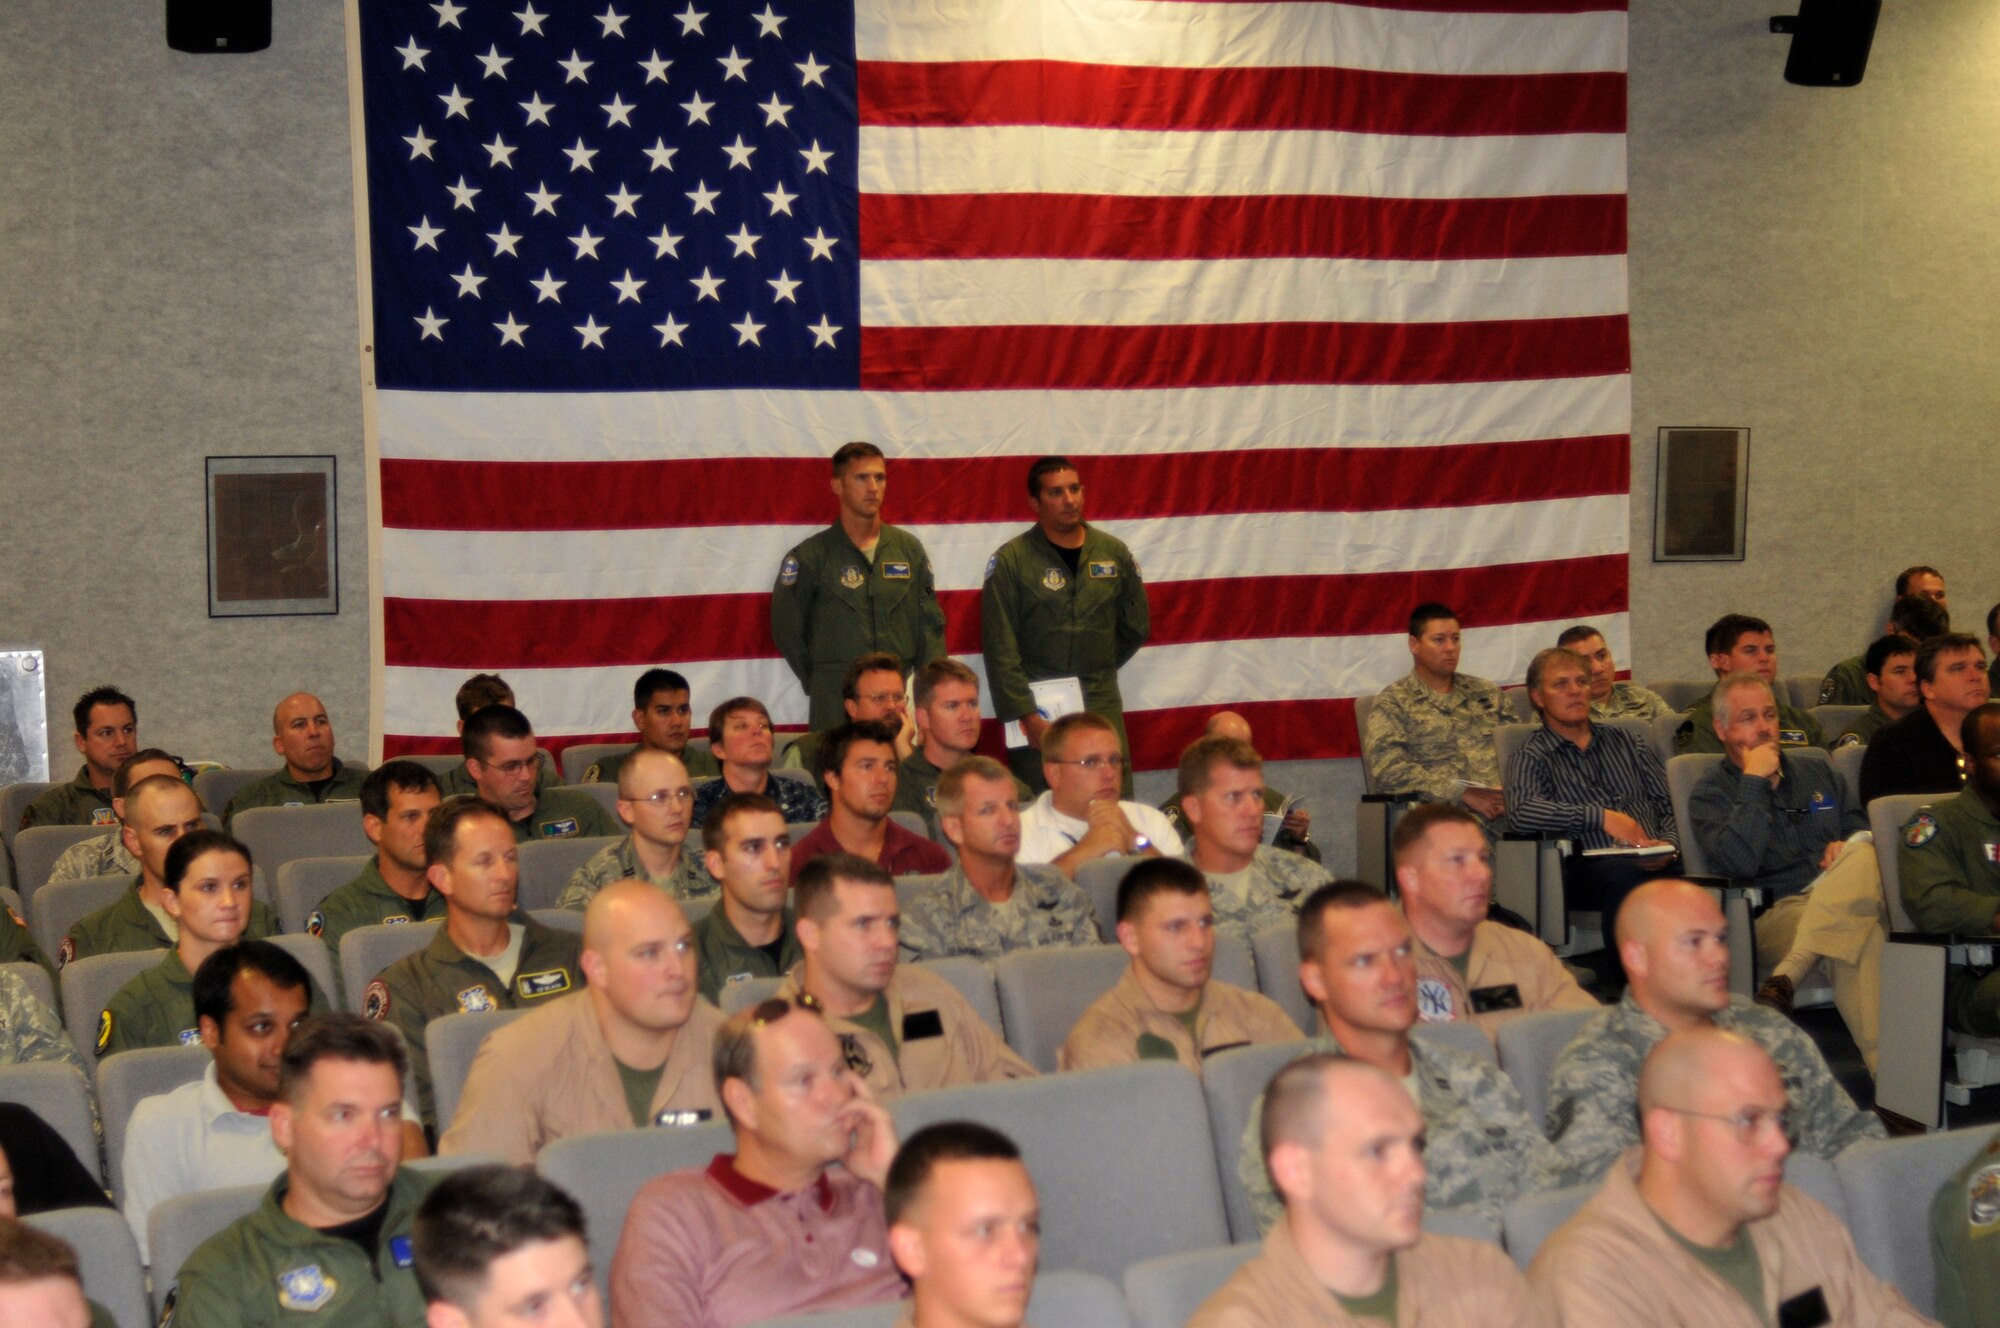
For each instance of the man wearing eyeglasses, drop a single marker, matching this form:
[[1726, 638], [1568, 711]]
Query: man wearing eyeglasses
[[873, 691], [1081, 818], [655, 798], [1697, 1224], [1252, 884], [501, 757]]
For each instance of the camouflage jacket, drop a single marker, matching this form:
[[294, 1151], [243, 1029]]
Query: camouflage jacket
[[1628, 700], [1266, 893], [1420, 742], [952, 918], [616, 862], [103, 856], [29, 1029]]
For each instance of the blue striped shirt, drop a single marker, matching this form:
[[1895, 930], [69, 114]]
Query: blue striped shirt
[[1556, 787]]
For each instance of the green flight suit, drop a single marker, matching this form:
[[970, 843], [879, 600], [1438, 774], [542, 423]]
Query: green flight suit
[[1863, 730], [1846, 683], [831, 605], [269, 1269], [1796, 728], [366, 901], [700, 763], [78, 802], [281, 790], [1949, 866], [125, 924], [156, 1009], [562, 813], [722, 956], [17, 944], [916, 788], [442, 979], [457, 781], [1965, 1216], [1039, 621]]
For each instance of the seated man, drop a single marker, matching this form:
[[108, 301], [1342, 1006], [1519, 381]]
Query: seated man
[[106, 855], [1780, 822], [1168, 1006], [1697, 1225], [474, 695], [1890, 674], [1345, 1148], [303, 735], [947, 718], [631, 1049], [1430, 735], [1294, 830], [900, 1027], [1610, 698], [1081, 818], [41, 1282], [331, 1238], [988, 904], [871, 693], [1920, 752], [488, 955], [1469, 967], [739, 733], [1357, 963], [159, 810], [1738, 643], [396, 802], [655, 798], [965, 1226], [749, 932], [778, 1228], [107, 735], [1676, 951], [857, 766], [662, 714], [1915, 613], [29, 1028], [494, 1246], [501, 757], [1950, 880], [1254, 885]]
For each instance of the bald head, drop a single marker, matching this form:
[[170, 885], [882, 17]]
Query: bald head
[[303, 735], [639, 966], [625, 908], [647, 769], [1682, 1064], [1715, 1119], [1658, 906], [1227, 724], [291, 705], [1674, 942], [1302, 1096]]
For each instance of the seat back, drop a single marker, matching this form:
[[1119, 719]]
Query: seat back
[[579, 757], [1802, 690], [1516, 706], [1093, 1141], [61, 906], [1642, 729], [1459, 1035], [439, 764], [1100, 880], [14, 800], [60, 1095], [1683, 773], [1508, 740], [1889, 1186], [547, 864], [37, 848], [561, 919], [1165, 1293], [451, 1042], [1231, 1082], [1276, 950], [176, 1228], [1529, 1047], [1066, 1299], [108, 1258], [313, 956], [604, 1171], [1885, 822], [1664, 728], [366, 951], [1847, 764], [37, 980], [1044, 992], [911, 822], [1835, 720], [216, 787], [88, 986], [1532, 1219], [129, 1078], [304, 882], [1362, 705], [1683, 693], [605, 795], [278, 835]]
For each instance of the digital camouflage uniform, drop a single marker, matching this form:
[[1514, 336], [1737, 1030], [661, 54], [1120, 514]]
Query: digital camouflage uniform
[[1278, 884], [952, 918], [367, 901], [1422, 742], [1846, 683], [78, 802], [1628, 700], [797, 800], [1037, 621], [281, 790], [722, 956], [103, 855], [1965, 1216], [1481, 1148], [831, 605], [916, 788], [126, 924], [617, 862], [1951, 883], [699, 762], [1796, 728], [1594, 1092], [562, 813], [1274, 802], [156, 1009], [457, 782], [29, 1029], [1863, 730], [269, 1269]]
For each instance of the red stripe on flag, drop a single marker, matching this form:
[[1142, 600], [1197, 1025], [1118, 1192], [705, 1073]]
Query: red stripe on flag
[[1143, 97], [644, 495], [896, 226], [564, 634], [1025, 358]]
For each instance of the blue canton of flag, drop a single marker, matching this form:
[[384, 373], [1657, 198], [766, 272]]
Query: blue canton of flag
[[612, 197]]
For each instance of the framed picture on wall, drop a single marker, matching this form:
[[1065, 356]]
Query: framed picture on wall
[[1700, 495], [272, 544]]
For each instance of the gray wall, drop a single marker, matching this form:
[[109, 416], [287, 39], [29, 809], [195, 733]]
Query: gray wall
[[177, 278]]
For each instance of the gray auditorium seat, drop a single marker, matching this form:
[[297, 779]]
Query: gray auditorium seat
[[1682, 693], [1100, 880], [742, 995], [1528, 1049], [1835, 720], [606, 1171], [451, 1042], [37, 980], [1889, 1185], [1044, 992], [604, 795], [547, 865], [60, 907], [60, 1095], [1847, 764], [304, 882], [37, 848], [366, 951], [1529, 1221], [1276, 950], [129, 1078], [14, 800], [579, 757], [108, 1258], [313, 956], [89, 984], [1165, 1292], [177, 1227], [1231, 1082], [216, 787], [278, 835]]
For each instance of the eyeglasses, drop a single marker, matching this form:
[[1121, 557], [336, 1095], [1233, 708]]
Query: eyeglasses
[[1749, 1122], [512, 768], [886, 698], [661, 797], [1096, 763]]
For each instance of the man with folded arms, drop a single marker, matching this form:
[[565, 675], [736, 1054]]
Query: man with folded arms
[[1081, 818]]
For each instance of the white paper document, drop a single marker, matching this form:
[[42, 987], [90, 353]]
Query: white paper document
[[1054, 698]]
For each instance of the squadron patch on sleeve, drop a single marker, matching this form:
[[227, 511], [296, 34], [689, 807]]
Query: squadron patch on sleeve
[[103, 1031], [375, 1003], [315, 923], [788, 571], [1920, 830]]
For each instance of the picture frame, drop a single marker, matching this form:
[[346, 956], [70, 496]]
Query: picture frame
[[1701, 495], [273, 536]]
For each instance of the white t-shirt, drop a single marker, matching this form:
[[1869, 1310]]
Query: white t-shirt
[[1046, 834]]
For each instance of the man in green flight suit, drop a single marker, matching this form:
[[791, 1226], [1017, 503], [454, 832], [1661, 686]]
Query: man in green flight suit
[[303, 735], [1738, 643], [396, 802], [107, 734], [857, 586], [501, 756], [664, 716], [1062, 600], [946, 709], [474, 695], [1949, 868]]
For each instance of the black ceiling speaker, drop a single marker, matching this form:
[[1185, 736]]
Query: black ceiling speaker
[[1830, 41], [208, 27]]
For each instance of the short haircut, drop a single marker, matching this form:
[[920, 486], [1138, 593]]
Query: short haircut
[[855, 451], [1335, 894], [875, 661], [441, 826], [719, 716], [1056, 739], [29, 1254], [494, 721], [1968, 729], [476, 1215], [121, 778], [182, 853], [1726, 631], [482, 690], [1429, 612], [1416, 824], [1294, 1101], [945, 669], [734, 1055], [142, 790], [215, 979], [1048, 465], [97, 696], [1157, 876], [946, 1141], [337, 1036], [1580, 632], [950, 796], [1539, 665], [1948, 644], [715, 825], [1909, 574], [815, 893], [405, 775], [1920, 616], [1718, 696], [1198, 762], [654, 681], [1886, 648], [840, 740]]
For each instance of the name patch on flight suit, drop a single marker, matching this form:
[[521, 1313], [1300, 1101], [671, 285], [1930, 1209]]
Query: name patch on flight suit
[[563, 828], [1433, 1001], [1504, 996], [1103, 571], [305, 1288], [1820, 802], [1805, 1310], [399, 1250], [895, 571], [672, 1119], [1791, 737], [476, 1000], [851, 578], [102, 816], [531, 985], [1053, 579], [396, 918], [920, 1024]]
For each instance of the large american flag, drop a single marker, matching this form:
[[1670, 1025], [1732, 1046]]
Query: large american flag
[[1327, 299]]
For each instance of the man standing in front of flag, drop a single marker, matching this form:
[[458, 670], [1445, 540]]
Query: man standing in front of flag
[[1062, 600], [857, 587]]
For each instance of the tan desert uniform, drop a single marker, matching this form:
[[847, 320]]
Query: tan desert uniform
[[1441, 1282], [1614, 1263], [549, 1074], [941, 1040], [1501, 956], [1123, 1025]]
